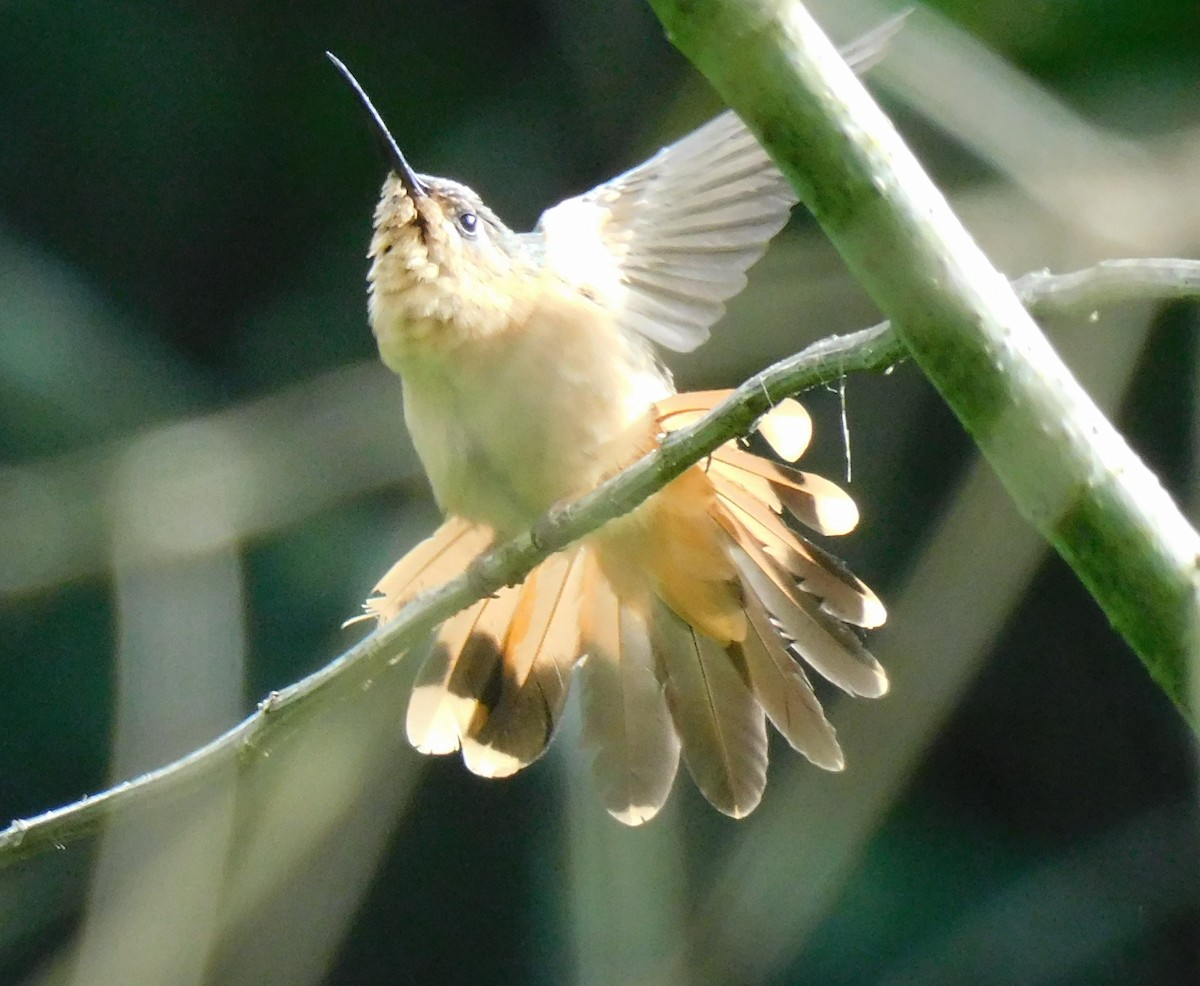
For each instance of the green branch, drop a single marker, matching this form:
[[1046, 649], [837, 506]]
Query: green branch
[[1068, 470], [336, 688]]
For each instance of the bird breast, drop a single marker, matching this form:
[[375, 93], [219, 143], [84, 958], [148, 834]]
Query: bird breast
[[510, 425]]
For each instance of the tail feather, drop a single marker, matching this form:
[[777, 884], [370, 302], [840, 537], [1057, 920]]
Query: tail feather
[[841, 593], [439, 558], [787, 427], [433, 717], [813, 500], [785, 692], [688, 621], [680, 410], [719, 722], [822, 640], [626, 722], [461, 677], [540, 649]]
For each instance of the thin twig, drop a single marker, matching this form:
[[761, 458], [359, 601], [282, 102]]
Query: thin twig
[[1109, 282], [828, 360]]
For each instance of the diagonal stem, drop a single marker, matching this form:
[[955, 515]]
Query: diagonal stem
[[1067, 469]]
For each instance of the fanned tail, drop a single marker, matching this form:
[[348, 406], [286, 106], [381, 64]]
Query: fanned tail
[[691, 620], [737, 603]]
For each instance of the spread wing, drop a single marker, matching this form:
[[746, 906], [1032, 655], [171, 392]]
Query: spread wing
[[667, 243]]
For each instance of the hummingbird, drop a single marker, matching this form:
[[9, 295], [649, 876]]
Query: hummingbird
[[530, 374]]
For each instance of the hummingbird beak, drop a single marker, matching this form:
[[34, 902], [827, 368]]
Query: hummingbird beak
[[408, 178]]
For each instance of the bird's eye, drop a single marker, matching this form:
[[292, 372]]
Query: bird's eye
[[468, 222]]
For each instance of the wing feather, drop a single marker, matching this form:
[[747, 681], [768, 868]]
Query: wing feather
[[679, 231]]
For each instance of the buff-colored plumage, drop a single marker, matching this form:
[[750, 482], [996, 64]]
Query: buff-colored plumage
[[669, 620], [529, 377]]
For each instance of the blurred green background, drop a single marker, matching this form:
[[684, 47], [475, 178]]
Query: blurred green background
[[203, 470]]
